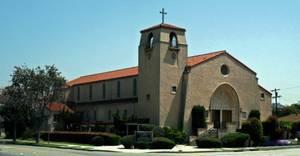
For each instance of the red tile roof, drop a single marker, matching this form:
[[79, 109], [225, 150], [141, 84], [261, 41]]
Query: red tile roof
[[133, 71], [197, 59], [127, 72], [163, 25], [59, 107]]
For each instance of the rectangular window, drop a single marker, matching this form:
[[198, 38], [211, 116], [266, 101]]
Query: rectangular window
[[134, 87], [91, 92], [262, 96], [78, 93], [119, 89], [103, 90], [173, 89]]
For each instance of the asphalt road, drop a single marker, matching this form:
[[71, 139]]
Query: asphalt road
[[19, 150]]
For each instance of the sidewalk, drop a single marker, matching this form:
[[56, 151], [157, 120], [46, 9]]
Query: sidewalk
[[120, 148]]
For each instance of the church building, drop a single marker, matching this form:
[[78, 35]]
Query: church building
[[167, 84]]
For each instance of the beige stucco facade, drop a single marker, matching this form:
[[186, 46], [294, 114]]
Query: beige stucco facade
[[167, 87], [105, 99], [206, 78]]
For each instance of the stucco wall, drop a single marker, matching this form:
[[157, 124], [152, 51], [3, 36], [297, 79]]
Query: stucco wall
[[102, 110], [97, 90], [171, 74], [206, 77], [158, 72], [265, 105]]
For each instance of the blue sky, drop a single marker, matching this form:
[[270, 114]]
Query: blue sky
[[90, 36]]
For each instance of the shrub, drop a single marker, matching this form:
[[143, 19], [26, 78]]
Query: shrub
[[97, 141], [270, 125], [177, 136], [254, 114], [287, 126], [198, 118], [162, 143], [254, 128], [158, 132], [141, 145], [208, 142], [111, 139], [277, 134], [8, 127], [127, 141], [295, 129], [235, 139]]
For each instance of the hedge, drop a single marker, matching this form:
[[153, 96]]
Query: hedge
[[162, 143], [142, 145], [235, 139], [81, 137], [97, 141], [208, 142]]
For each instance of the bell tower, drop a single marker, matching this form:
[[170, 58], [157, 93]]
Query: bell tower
[[162, 61]]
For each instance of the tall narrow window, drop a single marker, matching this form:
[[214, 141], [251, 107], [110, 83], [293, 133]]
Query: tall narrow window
[[173, 40], [87, 115], [95, 115], [134, 87], [91, 92], [150, 41], [78, 93], [103, 90], [125, 114], [119, 89], [109, 115]]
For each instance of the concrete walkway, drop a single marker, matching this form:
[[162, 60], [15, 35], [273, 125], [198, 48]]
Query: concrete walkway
[[185, 149]]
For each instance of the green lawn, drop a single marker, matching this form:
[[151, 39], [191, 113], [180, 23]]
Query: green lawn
[[53, 144]]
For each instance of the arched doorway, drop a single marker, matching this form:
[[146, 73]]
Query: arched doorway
[[224, 106]]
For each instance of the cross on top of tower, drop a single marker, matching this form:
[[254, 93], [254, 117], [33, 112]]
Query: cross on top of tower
[[163, 13]]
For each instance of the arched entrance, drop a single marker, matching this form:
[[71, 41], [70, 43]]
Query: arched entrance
[[224, 107]]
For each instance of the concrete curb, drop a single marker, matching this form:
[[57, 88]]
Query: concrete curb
[[77, 147]]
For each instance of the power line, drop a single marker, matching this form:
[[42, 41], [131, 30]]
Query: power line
[[291, 88]]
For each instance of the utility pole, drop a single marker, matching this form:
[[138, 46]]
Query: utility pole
[[276, 97]]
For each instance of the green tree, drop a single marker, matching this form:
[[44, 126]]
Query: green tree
[[46, 87], [34, 89], [15, 112], [254, 114], [198, 118]]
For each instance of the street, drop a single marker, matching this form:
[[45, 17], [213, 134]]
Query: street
[[20, 150]]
